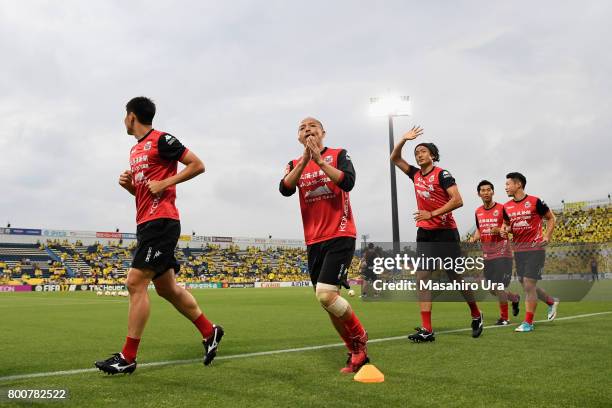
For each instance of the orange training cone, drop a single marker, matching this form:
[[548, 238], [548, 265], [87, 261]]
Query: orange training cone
[[369, 374]]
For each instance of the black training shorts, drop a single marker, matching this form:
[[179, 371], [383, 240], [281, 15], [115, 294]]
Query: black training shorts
[[438, 243], [156, 242], [498, 270], [329, 261], [529, 264]]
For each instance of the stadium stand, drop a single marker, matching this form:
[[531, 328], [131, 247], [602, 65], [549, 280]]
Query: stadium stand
[[582, 237]]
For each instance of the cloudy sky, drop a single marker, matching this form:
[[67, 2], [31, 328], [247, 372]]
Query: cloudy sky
[[498, 86]]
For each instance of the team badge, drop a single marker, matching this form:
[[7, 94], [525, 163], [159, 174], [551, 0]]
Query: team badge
[[527, 204], [147, 145], [431, 179], [328, 159], [495, 213]]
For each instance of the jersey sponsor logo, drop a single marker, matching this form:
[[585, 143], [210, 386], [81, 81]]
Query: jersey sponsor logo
[[319, 191], [139, 177], [424, 194], [520, 224]]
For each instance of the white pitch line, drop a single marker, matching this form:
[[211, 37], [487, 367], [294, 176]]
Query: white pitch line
[[267, 353]]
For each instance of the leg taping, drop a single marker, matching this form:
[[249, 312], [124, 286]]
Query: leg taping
[[339, 306], [330, 299]]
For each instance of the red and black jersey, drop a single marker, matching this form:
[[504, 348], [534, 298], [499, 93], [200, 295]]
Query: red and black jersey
[[525, 219], [155, 157], [326, 208], [493, 245], [431, 194]]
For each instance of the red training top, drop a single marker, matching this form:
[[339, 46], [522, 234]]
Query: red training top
[[430, 190], [493, 245], [326, 208], [525, 218], [155, 157]]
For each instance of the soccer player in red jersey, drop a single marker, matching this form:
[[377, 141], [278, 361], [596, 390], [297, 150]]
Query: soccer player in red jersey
[[497, 252], [152, 179], [437, 195], [523, 216], [324, 176]]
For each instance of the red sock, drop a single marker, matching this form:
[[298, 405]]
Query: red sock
[[204, 326], [474, 309], [353, 326], [342, 332], [549, 301], [130, 349], [529, 317], [503, 307], [347, 340], [426, 320]]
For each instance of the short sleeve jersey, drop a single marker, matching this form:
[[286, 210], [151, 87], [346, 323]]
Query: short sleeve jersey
[[155, 157]]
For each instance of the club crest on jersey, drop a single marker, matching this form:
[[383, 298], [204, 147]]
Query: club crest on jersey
[[147, 145], [328, 159], [495, 213], [527, 204], [431, 178]]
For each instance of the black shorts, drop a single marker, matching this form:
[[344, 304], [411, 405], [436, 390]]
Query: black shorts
[[156, 242], [498, 270], [440, 243], [329, 261], [529, 264], [368, 274]]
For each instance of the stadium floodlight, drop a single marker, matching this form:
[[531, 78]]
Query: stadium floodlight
[[390, 106]]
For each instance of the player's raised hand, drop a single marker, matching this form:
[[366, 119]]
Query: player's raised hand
[[314, 150], [413, 133], [156, 187], [306, 156], [125, 179]]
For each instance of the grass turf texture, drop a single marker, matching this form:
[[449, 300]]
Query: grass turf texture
[[563, 363]]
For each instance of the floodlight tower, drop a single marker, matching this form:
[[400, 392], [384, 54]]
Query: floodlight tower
[[391, 106]]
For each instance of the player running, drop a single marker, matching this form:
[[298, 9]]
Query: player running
[[152, 180], [324, 176], [437, 195], [523, 218], [497, 252], [367, 269]]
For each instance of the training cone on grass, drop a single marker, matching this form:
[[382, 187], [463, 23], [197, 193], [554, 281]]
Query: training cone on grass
[[369, 374]]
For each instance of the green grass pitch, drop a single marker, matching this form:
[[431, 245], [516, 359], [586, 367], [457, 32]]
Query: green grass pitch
[[567, 362]]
